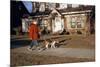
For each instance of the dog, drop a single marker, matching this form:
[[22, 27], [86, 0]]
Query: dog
[[46, 43], [52, 44]]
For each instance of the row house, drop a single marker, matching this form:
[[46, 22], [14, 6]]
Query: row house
[[54, 18]]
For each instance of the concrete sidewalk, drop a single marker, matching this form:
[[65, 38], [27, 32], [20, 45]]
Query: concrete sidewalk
[[60, 52]]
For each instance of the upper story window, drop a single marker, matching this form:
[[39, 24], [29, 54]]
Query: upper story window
[[75, 5], [69, 5], [33, 7], [63, 5], [57, 5], [51, 6], [42, 7]]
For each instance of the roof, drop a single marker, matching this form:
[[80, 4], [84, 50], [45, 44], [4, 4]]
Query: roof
[[37, 14], [64, 11]]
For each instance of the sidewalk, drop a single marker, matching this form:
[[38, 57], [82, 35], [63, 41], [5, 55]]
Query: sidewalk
[[60, 52], [26, 37]]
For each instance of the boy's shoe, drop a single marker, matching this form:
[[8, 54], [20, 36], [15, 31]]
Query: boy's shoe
[[29, 49], [34, 48]]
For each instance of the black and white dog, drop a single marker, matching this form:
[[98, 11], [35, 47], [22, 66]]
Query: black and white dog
[[52, 44]]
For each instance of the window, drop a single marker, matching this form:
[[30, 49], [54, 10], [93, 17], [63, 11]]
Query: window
[[62, 5], [76, 22], [69, 5], [42, 7], [57, 5], [75, 5], [79, 25], [34, 7], [73, 24], [79, 21]]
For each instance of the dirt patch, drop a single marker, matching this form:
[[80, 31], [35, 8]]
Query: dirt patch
[[87, 42]]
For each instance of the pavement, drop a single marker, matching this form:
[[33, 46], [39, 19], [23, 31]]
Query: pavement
[[60, 52], [17, 47]]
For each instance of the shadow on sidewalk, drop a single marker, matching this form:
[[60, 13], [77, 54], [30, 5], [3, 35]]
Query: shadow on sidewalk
[[19, 43]]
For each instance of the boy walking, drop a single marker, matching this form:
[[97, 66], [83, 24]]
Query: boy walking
[[33, 34]]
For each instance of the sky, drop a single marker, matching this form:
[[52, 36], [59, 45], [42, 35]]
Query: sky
[[28, 5]]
